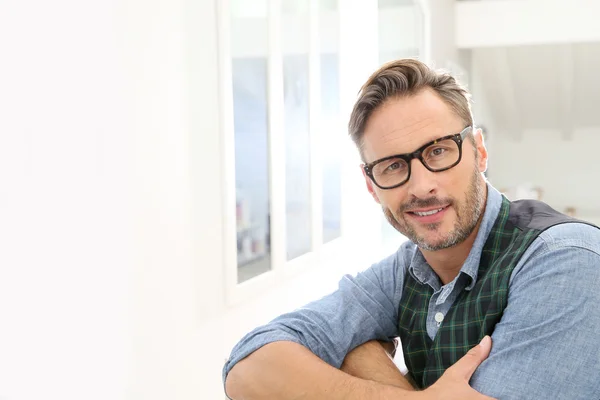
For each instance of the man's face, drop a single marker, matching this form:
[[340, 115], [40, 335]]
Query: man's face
[[402, 126]]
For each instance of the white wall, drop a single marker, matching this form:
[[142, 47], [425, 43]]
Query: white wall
[[178, 239], [565, 169], [106, 270], [65, 176], [498, 23]]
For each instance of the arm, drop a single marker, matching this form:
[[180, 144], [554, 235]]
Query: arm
[[546, 344], [362, 309], [307, 377], [374, 361]]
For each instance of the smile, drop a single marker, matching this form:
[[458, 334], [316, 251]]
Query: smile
[[425, 213], [429, 216]]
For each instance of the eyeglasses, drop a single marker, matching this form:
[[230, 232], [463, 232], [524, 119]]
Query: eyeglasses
[[438, 155]]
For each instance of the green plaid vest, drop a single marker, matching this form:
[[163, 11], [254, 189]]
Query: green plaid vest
[[474, 313]]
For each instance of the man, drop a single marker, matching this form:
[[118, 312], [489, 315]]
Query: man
[[475, 265]]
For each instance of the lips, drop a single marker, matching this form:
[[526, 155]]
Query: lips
[[427, 211], [429, 215]]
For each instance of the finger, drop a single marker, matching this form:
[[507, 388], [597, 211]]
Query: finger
[[470, 361]]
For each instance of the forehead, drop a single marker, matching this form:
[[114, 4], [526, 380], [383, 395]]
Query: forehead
[[402, 125]]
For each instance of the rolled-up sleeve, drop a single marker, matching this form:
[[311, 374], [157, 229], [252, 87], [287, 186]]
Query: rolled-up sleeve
[[363, 308], [546, 344]]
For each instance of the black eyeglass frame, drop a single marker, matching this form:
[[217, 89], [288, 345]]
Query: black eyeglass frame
[[458, 138]]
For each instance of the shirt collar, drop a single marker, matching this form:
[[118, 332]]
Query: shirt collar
[[423, 273]]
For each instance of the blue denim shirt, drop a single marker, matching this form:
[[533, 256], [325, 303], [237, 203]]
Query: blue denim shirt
[[546, 346]]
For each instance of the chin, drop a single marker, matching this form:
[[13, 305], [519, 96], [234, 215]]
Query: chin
[[439, 241], [437, 246]]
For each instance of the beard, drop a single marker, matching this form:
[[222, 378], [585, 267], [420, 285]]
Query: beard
[[467, 217]]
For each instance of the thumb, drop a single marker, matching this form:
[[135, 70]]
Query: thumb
[[470, 361]]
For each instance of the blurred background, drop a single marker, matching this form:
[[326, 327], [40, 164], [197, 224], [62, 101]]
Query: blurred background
[[175, 173]]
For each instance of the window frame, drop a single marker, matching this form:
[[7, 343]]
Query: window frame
[[281, 270]]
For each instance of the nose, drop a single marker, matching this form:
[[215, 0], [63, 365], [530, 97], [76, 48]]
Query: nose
[[422, 183]]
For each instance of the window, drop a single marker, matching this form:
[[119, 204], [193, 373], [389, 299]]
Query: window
[[250, 123], [284, 138], [332, 129]]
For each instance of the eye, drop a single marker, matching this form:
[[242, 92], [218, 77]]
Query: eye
[[438, 151], [395, 166]]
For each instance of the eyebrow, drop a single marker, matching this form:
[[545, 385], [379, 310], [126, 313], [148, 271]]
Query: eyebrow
[[433, 141]]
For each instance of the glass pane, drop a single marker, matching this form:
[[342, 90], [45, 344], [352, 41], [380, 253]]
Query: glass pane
[[328, 5], [394, 3], [295, 43], [332, 131], [249, 79], [295, 8]]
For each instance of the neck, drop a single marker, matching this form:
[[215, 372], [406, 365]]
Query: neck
[[447, 263]]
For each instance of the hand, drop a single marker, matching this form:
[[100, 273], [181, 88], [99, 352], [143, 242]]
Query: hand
[[454, 383]]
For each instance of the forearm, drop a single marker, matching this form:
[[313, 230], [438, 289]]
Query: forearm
[[286, 370], [371, 361]]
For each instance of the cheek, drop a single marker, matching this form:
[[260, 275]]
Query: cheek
[[456, 183], [464, 170], [452, 181], [391, 199]]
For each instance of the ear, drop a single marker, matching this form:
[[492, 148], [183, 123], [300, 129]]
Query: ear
[[370, 185], [482, 154]]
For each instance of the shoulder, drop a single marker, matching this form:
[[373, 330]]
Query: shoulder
[[569, 251], [575, 234], [548, 331]]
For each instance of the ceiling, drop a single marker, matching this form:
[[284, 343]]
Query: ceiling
[[541, 87]]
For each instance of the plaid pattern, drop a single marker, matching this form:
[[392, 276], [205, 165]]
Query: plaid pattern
[[474, 313]]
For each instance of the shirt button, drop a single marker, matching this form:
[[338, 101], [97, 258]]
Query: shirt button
[[439, 317]]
